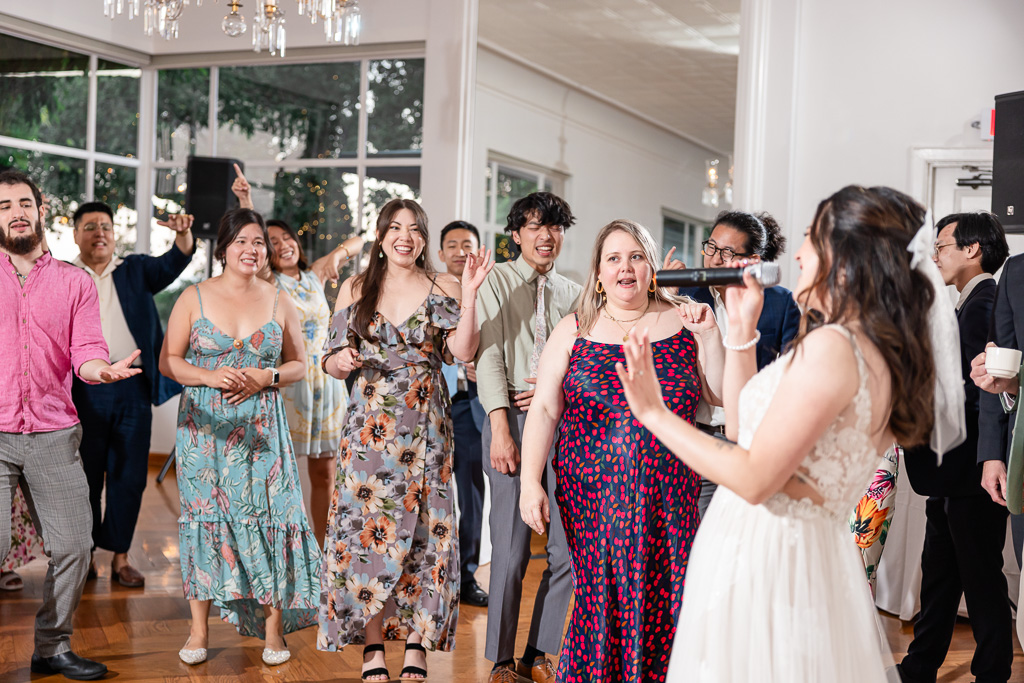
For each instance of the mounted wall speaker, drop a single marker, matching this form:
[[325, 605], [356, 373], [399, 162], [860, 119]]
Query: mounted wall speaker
[[1008, 162], [208, 193]]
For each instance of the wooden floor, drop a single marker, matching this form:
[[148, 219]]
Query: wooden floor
[[137, 633]]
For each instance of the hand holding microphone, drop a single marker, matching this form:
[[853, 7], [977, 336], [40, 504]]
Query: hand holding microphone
[[742, 303], [766, 275]]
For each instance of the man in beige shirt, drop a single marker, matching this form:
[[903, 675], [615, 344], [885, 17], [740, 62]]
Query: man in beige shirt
[[519, 304]]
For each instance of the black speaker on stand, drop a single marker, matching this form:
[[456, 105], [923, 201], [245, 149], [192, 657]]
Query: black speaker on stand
[[208, 196], [1008, 162]]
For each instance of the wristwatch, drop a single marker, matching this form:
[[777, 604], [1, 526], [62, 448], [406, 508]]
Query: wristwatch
[[277, 377]]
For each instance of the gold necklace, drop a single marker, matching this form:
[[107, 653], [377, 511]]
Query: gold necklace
[[625, 331]]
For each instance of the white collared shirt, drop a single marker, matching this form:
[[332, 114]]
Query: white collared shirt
[[969, 287], [706, 413], [115, 327]]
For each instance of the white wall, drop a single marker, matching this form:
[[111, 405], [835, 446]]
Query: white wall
[[872, 80], [618, 165]]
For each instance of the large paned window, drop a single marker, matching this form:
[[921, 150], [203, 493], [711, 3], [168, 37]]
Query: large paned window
[[324, 145], [315, 157], [507, 182], [70, 121]]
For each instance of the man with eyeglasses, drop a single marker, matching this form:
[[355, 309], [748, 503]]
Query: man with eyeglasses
[[117, 419], [741, 235], [965, 526]]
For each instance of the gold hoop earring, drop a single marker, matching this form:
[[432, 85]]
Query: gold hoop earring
[[654, 284], [600, 287]]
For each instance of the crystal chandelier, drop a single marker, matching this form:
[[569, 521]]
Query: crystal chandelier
[[268, 28], [234, 23], [158, 16], [711, 195], [342, 19]]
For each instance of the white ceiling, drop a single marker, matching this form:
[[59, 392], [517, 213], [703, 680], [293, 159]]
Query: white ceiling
[[673, 61]]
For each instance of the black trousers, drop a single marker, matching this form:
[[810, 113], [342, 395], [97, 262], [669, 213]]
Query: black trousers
[[469, 480], [963, 555], [117, 420]]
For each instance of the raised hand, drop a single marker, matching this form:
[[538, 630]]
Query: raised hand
[[672, 263], [698, 318], [478, 265], [639, 378], [241, 188], [178, 222], [120, 370]]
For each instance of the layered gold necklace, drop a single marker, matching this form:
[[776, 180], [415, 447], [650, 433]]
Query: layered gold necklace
[[618, 323]]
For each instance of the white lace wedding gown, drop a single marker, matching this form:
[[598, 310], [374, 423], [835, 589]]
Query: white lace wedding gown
[[776, 593]]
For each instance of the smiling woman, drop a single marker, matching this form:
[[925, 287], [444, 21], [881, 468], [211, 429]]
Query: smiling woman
[[392, 569], [234, 449]]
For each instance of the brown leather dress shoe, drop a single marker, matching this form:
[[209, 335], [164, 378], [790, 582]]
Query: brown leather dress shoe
[[542, 671], [128, 576], [503, 674]]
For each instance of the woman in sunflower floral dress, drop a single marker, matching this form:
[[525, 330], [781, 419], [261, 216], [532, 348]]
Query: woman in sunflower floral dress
[[391, 562]]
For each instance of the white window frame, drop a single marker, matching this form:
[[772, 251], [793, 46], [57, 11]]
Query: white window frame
[[693, 235]]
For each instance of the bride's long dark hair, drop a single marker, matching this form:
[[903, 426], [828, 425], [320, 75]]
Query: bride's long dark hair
[[860, 236], [370, 282]]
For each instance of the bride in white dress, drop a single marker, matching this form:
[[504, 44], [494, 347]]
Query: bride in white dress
[[775, 588]]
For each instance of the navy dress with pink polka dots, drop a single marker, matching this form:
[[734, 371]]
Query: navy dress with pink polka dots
[[629, 507]]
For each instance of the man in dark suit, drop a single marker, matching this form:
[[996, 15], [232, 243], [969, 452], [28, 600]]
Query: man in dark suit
[[458, 239], [965, 529], [755, 237], [117, 419]]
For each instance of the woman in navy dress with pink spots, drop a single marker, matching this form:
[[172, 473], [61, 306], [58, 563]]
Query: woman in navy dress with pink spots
[[629, 507]]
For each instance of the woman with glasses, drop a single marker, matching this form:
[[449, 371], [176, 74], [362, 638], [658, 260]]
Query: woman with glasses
[[740, 235]]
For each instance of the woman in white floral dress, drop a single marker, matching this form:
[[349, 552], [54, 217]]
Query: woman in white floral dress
[[391, 566]]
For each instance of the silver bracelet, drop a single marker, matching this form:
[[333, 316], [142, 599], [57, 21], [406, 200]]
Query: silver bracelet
[[744, 347]]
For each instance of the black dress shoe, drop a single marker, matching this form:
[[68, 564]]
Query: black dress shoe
[[473, 594], [70, 666]]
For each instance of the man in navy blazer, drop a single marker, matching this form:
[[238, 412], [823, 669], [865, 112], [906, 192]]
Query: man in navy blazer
[[965, 528], [117, 418], [755, 237]]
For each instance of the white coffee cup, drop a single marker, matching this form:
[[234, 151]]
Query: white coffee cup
[[1003, 363]]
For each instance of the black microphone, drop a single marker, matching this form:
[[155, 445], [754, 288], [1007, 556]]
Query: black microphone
[[766, 274]]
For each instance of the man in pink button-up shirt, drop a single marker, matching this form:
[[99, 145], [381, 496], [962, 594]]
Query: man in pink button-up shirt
[[49, 328]]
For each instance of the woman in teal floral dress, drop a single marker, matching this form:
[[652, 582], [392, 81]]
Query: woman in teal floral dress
[[245, 542], [391, 562]]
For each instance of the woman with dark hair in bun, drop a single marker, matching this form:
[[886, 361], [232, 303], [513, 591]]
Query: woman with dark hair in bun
[[740, 235]]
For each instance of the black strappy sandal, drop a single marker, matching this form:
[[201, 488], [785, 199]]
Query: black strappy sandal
[[413, 670], [380, 670]]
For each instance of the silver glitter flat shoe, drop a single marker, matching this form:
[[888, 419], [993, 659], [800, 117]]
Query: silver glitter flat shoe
[[275, 657], [192, 657]]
